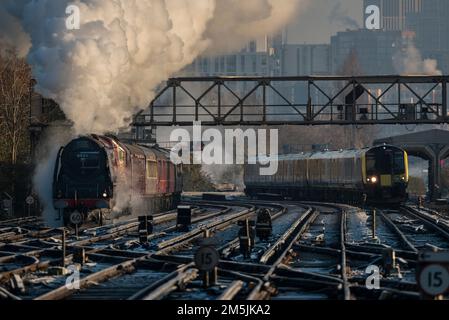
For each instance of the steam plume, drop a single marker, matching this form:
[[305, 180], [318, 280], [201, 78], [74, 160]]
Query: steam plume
[[107, 70], [410, 62], [341, 16]]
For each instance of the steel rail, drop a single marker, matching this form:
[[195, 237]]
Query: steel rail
[[163, 287], [64, 291], [174, 243], [235, 243], [441, 228], [270, 254], [395, 228], [344, 274], [306, 220]]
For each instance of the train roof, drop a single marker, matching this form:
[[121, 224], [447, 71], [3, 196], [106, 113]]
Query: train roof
[[153, 153], [338, 154]]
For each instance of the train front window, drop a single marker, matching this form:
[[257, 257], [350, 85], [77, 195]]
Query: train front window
[[379, 162], [370, 163], [385, 161], [399, 163]]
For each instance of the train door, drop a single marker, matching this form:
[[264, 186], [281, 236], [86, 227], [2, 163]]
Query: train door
[[171, 177], [151, 185], [179, 178], [121, 165], [161, 175]]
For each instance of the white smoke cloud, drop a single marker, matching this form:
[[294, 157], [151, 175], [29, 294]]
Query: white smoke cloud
[[108, 69], [12, 35], [49, 146], [410, 62], [105, 71]]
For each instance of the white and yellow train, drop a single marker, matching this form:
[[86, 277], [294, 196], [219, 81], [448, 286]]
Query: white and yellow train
[[374, 175]]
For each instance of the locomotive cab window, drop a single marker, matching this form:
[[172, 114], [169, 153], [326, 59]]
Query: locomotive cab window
[[121, 156]]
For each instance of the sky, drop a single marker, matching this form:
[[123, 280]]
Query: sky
[[324, 18]]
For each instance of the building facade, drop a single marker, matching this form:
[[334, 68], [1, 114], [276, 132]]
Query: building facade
[[305, 59], [431, 28], [371, 51], [260, 57], [393, 13]]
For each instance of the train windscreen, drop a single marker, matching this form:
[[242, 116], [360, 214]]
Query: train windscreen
[[385, 161]]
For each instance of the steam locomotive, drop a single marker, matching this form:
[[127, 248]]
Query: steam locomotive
[[377, 175], [100, 176]]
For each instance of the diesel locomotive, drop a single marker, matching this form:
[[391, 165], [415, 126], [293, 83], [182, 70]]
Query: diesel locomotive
[[377, 175]]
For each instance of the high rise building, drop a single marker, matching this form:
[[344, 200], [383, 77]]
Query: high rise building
[[393, 13], [431, 29], [365, 52], [305, 59], [261, 57]]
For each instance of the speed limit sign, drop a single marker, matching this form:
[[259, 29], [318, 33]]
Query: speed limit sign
[[433, 273], [434, 279], [76, 218], [206, 258], [29, 200]]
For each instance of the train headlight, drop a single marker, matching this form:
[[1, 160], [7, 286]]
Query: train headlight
[[105, 194], [373, 180]]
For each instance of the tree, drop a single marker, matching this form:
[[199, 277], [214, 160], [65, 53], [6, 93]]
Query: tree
[[15, 87], [15, 168], [195, 179]]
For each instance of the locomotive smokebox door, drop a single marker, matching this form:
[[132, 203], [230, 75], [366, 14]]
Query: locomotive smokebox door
[[264, 227]]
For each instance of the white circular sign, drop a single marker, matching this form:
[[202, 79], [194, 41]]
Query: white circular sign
[[29, 200], [434, 279], [76, 218], [206, 258]]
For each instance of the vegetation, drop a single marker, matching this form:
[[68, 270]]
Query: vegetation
[[195, 179], [15, 91]]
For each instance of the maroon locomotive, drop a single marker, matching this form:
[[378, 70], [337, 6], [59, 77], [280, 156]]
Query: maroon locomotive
[[100, 175]]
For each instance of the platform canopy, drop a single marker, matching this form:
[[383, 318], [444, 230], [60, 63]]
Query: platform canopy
[[431, 145]]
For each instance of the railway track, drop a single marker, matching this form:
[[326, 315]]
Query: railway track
[[316, 251], [417, 230], [115, 268]]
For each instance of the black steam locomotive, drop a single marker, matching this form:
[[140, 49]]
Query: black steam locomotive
[[96, 174]]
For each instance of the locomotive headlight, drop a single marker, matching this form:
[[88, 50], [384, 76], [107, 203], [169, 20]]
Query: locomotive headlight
[[105, 194], [373, 180]]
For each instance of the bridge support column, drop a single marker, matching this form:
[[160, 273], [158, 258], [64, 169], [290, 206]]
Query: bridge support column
[[434, 178]]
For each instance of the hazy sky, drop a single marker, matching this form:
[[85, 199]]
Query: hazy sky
[[323, 18]]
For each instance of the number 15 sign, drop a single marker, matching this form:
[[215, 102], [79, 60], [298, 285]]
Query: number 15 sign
[[433, 273]]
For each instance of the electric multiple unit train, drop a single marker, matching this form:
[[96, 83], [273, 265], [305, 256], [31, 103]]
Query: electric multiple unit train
[[377, 175]]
